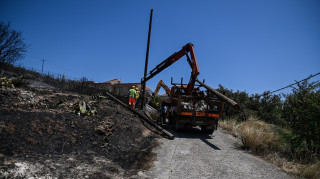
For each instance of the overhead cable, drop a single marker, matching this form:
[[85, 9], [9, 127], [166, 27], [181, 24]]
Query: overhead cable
[[293, 84]]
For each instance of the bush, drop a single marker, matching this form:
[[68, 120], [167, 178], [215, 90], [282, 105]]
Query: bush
[[301, 110], [6, 82], [155, 103], [259, 136]]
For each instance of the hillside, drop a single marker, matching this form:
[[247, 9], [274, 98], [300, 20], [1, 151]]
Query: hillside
[[42, 136]]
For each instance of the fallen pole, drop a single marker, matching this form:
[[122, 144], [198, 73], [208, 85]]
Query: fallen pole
[[168, 134], [233, 103]]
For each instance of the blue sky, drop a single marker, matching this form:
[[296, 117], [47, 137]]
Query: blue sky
[[248, 45]]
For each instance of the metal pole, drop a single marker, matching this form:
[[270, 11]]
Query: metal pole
[[230, 101], [42, 64], [146, 63]]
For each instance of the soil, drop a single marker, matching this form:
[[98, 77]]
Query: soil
[[41, 136]]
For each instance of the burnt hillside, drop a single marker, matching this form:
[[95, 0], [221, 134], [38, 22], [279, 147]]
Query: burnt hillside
[[43, 133]]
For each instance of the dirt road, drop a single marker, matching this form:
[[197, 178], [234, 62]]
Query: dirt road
[[196, 155]]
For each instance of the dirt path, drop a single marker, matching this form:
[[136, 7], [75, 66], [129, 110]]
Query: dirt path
[[196, 155]]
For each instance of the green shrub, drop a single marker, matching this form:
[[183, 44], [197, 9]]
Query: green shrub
[[6, 82], [301, 110]]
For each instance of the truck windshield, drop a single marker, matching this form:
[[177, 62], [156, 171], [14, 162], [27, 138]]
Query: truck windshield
[[179, 90]]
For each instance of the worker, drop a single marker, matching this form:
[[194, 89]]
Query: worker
[[132, 96], [137, 96], [163, 112]]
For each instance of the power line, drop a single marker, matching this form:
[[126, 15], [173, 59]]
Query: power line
[[293, 84], [49, 62]]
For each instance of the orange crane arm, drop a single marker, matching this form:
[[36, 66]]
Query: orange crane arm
[[188, 48], [164, 86]]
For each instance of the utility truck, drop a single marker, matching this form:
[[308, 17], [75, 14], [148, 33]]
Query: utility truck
[[187, 104]]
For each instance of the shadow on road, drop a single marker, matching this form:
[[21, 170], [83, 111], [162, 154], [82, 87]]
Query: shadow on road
[[189, 133], [193, 133], [210, 144]]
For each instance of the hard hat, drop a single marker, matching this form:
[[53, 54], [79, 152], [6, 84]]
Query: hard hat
[[133, 87], [137, 89]]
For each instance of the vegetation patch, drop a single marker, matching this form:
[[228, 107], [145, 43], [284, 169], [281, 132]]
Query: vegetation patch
[[269, 142], [286, 127], [258, 135]]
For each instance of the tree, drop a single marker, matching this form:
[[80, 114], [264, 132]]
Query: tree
[[269, 109], [301, 110], [12, 47]]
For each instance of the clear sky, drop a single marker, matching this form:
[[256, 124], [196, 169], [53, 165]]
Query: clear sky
[[246, 45]]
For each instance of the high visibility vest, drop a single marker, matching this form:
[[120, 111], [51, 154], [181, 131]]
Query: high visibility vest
[[132, 93], [137, 95]]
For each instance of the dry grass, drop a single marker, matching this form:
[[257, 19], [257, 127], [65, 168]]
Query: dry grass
[[258, 136], [284, 164], [230, 125], [312, 170], [255, 134], [261, 138]]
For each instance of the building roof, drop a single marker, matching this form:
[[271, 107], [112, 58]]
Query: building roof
[[164, 95], [148, 89], [117, 82], [113, 81]]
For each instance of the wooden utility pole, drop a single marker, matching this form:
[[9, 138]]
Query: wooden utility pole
[[146, 63], [42, 64]]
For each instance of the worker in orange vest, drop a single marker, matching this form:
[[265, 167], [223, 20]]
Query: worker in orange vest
[[132, 96]]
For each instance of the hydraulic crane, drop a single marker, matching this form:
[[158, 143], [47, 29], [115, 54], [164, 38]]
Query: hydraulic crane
[[164, 86], [185, 51]]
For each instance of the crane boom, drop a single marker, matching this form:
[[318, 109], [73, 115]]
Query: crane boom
[[164, 86], [188, 48]]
